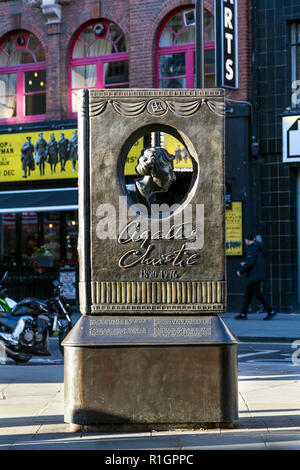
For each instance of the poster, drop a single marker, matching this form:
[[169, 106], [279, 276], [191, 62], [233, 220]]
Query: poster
[[234, 230], [182, 161], [47, 155], [68, 280], [132, 157]]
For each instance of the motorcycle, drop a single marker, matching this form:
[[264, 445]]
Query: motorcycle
[[6, 303], [25, 326]]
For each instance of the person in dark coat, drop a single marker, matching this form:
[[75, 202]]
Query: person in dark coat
[[253, 267]]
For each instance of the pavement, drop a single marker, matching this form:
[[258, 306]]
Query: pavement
[[283, 327], [32, 408]]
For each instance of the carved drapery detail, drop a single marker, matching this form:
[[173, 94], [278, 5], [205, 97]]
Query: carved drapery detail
[[157, 107]]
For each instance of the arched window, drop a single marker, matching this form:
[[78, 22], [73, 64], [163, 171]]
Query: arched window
[[99, 59], [22, 78], [175, 51]]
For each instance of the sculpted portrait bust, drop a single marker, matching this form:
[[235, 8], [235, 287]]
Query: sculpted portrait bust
[[155, 164]]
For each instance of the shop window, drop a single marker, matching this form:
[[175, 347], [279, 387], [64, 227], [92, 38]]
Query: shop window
[[22, 78], [8, 245], [31, 239], [99, 59], [175, 52], [29, 236], [51, 235], [71, 238]]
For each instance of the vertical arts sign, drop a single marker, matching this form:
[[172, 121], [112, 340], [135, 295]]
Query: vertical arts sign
[[151, 239], [226, 31]]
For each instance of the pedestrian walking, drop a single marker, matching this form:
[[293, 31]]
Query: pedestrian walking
[[253, 267]]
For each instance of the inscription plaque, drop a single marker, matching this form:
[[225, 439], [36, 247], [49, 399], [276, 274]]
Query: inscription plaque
[[150, 330]]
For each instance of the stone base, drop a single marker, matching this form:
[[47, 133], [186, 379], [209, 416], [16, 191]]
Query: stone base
[[186, 381]]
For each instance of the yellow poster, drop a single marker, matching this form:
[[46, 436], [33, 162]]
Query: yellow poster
[[234, 230], [182, 161], [132, 157], [31, 156]]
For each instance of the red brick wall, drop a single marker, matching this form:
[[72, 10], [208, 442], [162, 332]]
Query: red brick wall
[[139, 19]]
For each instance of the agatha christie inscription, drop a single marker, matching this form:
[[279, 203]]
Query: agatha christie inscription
[[145, 255], [144, 233]]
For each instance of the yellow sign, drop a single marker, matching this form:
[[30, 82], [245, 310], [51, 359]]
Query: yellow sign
[[31, 156], [182, 161], [132, 157], [234, 230]]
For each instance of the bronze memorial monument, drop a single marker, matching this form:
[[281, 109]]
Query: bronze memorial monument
[[150, 349]]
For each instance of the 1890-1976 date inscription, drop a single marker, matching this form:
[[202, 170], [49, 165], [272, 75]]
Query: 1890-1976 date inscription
[[161, 274]]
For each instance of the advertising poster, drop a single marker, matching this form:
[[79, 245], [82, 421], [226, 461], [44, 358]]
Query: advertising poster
[[234, 230], [182, 161], [68, 280], [31, 156], [132, 157]]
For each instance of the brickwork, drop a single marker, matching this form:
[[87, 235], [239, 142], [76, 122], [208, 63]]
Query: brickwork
[[140, 22]]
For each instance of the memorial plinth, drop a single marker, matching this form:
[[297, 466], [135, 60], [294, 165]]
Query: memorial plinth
[[151, 348]]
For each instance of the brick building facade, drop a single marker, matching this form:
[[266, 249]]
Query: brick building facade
[[140, 22]]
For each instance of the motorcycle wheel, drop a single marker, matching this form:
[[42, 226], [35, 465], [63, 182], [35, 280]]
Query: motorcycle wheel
[[61, 336]]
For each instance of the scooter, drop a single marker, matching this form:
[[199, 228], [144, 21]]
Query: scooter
[[26, 326]]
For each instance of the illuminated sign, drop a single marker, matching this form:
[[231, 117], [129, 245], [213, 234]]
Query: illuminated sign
[[31, 156]]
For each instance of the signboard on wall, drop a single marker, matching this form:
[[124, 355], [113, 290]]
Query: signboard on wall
[[226, 32], [234, 230], [31, 156], [291, 139]]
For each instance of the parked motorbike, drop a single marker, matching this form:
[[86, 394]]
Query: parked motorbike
[[6, 303], [25, 326]]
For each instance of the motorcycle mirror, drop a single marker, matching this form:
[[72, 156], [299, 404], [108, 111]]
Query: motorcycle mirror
[[4, 276], [55, 283]]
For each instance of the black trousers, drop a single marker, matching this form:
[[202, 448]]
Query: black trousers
[[253, 289]]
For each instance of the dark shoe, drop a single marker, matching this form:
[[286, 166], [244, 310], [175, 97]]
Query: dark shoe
[[241, 316], [270, 315]]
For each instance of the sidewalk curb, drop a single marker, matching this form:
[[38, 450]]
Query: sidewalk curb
[[264, 339]]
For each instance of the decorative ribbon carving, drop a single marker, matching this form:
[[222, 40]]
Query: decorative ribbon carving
[[184, 109], [129, 109], [97, 108]]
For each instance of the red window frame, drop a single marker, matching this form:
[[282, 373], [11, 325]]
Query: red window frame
[[187, 49], [20, 70], [99, 61]]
